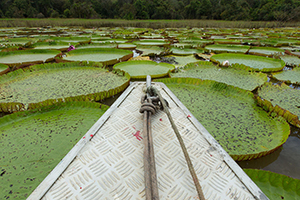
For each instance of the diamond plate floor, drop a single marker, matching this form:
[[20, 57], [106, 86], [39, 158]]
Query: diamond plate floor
[[110, 166]]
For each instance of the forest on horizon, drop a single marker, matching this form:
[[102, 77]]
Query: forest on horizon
[[247, 10]]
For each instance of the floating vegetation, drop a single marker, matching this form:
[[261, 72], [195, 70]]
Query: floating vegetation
[[290, 60], [266, 51], [280, 100], [15, 58], [3, 67], [237, 75], [151, 42], [258, 63], [103, 55], [139, 69], [79, 81], [151, 50], [289, 76], [231, 115], [184, 51], [62, 46], [275, 186], [223, 48], [33, 142], [179, 61]]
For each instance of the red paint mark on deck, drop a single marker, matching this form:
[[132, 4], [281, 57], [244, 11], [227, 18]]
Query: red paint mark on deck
[[137, 135], [92, 135], [84, 137], [160, 119], [189, 116], [80, 187]]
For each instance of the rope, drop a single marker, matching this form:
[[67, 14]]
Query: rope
[[153, 90]]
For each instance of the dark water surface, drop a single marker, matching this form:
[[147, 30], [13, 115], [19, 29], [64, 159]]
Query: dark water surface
[[285, 160]]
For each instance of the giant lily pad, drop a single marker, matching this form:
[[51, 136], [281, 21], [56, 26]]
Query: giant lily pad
[[104, 55], [275, 186], [139, 69], [181, 61], [56, 81], [258, 63], [222, 48], [13, 58], [230, 114], [62, 46], [151, 42], [151, 50], [282, 100], [236, 75], [185, 51], [266, 51], [33, 142], [290, 60], [3, 67], [289, 76]]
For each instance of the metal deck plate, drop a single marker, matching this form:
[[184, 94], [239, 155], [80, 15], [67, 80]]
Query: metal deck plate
[[110, 165]]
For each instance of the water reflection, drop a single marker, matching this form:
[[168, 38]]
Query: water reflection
[[284, 160]]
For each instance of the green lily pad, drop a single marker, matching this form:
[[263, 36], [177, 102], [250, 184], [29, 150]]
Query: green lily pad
[[278, 42], [139, 69], [181, 61], [75, 80], [265, 51], [103, 55], [182, 45], [151, 50], [97, 45], [129, 46], [3, 67], [33, 142], [185, 51], [231, 115], [196, 42], [151, 42], [281, 100], [236, 75], [292, 61], [14, 58], [275, 186], [258, 63], [289, 76], [227, 41], [62, 46], [222, 48]]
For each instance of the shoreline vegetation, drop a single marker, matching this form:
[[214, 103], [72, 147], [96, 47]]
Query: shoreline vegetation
[[155, 24]]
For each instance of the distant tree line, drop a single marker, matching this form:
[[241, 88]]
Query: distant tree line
[[251, 10]]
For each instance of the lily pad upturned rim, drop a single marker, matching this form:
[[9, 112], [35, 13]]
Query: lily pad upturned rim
[[238, 157], [169, 67], [30, 51], [10, 107], [277, 109], [126, 54], [228, 56]]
